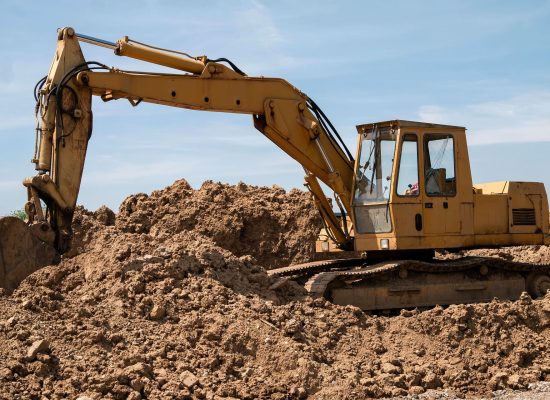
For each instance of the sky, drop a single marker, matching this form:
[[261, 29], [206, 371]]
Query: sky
[[484, 65]]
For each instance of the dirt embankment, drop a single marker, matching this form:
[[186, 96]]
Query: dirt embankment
[[274, 226], [169, 299]]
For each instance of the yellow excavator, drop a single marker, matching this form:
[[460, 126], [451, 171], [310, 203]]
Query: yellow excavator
[[407, 192]]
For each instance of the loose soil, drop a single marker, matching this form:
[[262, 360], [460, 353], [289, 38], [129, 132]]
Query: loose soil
[[169, 299]]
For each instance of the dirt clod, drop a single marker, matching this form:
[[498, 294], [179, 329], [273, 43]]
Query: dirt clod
[[188, 379], [40, 346], [158, 312]]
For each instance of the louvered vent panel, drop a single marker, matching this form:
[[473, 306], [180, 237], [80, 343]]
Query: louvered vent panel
[[524, 216]]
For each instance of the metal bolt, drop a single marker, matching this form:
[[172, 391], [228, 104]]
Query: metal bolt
[[45, 178], [70, 32], [212, 69], [77, 113]]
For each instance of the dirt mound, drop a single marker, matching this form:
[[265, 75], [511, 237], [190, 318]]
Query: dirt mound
[[170, 299], [274, 226]]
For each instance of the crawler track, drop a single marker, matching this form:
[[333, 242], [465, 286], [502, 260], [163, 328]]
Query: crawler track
[[410, 283]]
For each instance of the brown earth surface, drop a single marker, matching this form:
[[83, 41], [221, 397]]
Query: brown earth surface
[[169, 299]]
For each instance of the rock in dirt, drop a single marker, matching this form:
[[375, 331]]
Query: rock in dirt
[[188, 379], [40, 346], [158, 312], [389, 368], [140, 369]]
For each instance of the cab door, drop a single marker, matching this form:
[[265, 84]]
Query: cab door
[[407, 201], [441, 210]]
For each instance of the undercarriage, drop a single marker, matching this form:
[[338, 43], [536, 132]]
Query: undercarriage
[[412, 283]]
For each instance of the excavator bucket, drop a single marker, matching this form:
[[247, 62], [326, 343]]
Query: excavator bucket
[[21, 253]]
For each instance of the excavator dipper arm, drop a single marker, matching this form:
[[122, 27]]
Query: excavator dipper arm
[[64, 112]]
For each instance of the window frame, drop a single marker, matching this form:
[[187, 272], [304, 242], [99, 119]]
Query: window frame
[[362, 138], [431, 136], [417, 165]]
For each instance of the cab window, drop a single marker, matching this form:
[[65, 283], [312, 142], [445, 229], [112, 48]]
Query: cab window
[[407, 179], [439, 166], [374, 170]]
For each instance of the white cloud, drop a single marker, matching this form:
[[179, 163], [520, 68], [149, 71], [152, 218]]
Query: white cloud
[[259, 22], [434, 114], [521, 118]]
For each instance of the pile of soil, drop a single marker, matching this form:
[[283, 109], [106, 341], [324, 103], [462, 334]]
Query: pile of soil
[[169, 299], [273, 226]]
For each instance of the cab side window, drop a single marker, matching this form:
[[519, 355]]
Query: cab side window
[[407, 180], [439, 166]]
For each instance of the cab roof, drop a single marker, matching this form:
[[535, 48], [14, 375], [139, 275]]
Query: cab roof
[[401, 123]]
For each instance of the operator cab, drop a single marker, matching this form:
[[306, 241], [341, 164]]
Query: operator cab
[[412, 182]]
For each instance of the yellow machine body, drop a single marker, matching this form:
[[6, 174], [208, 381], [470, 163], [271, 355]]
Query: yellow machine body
[[449, 214]]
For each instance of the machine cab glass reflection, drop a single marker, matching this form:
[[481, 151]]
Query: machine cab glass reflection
[[439, 168], [407, 179], [373, 175], [373, 182]]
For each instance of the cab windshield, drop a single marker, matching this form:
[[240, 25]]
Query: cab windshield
[[374, 170]]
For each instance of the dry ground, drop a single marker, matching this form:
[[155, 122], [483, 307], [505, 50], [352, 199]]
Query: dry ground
[[169, 299]]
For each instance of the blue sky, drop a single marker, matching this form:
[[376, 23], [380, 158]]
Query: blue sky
[[481, 64]]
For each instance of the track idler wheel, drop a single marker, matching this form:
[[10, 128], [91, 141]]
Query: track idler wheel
[[21, 252], [538, 284]]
